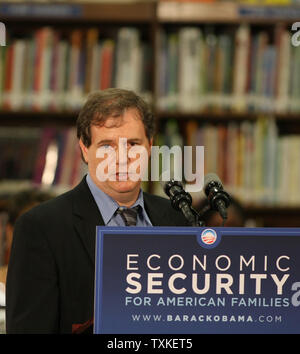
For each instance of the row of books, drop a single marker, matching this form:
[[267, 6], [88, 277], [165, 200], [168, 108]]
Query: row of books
[[256, 164], [56, 70], [242, 71], [197, 69], [44, 156]]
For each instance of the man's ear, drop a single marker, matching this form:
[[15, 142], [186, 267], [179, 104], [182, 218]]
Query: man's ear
[[84, 151]]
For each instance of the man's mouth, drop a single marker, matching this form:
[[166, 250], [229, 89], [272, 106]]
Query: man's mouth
[[122, 176]]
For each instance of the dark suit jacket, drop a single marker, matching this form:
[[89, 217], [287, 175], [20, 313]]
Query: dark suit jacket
[[50, 280]]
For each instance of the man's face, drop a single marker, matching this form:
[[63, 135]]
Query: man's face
[[117, 135]]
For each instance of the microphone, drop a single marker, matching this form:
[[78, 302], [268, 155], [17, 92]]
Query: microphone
[[218, 199], [181, 200]]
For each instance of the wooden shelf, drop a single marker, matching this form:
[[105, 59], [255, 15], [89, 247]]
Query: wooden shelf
[[69, 117], [132, 12], [196, 12], [150, 11], [267, 209], [268, 216], [226, 116], [224, 12], [37, 118]]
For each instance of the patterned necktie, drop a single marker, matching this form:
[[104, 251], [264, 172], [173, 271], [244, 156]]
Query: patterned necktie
[[129, 215]]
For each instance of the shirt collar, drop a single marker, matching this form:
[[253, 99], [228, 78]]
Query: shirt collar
[[107, 205]]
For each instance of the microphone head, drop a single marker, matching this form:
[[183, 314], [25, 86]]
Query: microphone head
[[211, 179], [169, 184], [168, 179], [214, 191]]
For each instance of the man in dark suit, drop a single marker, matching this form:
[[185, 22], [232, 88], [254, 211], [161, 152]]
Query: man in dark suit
[[50, 281]]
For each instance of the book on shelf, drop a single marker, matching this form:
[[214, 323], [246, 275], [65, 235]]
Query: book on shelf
[[282, 41], [16, 149], [44, 156], [92, 58], [169, 136], [242, 71], [240, 67], [54, 69], [128, 60], [172, 68], [189, 75], [106, 67], [256, 164], [294, 82], [75, 80]]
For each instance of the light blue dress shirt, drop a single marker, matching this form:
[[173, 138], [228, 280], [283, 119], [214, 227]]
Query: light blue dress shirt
[[108, 207]]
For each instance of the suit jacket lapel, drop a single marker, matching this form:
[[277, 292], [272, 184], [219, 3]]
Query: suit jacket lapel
[[86, 216], [157, 215]]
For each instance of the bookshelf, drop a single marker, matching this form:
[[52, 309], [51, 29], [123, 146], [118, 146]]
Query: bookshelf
[[229, 12], [151, 19]]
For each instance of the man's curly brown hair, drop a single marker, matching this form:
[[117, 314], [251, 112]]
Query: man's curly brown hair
[[107, 103]]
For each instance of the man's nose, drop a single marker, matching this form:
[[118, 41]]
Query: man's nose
[[122, 152]]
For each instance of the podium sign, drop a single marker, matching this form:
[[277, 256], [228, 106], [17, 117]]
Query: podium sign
[[174, 280]]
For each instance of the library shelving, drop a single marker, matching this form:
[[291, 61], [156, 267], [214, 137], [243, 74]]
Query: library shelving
[[239, 48]]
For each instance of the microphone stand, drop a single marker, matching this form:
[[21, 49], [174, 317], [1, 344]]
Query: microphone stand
[[197, 222], [181, 200]]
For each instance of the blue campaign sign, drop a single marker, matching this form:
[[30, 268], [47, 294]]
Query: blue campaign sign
[[174, 280]]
